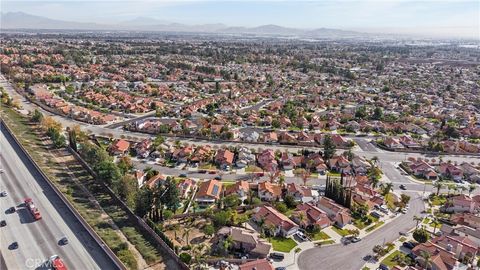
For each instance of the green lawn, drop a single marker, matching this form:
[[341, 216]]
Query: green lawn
[[334, 174], [402, 239], [438, 200], [326, 242], [360, 224], [282, 244], [341, 232], [426, 221], [365, 268], [373, 227], [388, 261], [320, 236]]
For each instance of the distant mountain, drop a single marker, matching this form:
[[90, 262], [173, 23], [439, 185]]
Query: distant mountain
[[21, 20], [143, 21]]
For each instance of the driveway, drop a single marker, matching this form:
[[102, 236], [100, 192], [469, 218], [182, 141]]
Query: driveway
[[351, 256]]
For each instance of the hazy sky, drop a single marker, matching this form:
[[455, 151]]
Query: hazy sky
[[401, 16]]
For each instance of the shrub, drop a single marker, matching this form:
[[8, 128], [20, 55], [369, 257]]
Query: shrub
[[185, 257], [127, 258]]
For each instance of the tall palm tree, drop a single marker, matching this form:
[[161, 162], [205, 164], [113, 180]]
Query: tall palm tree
[[186, 234], [471, 189], [417, 219], [387, 188], [438, 185], [374, 181]]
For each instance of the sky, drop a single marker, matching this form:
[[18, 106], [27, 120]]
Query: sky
[[433, 17]]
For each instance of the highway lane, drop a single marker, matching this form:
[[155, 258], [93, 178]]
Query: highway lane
[[351, 256], [38, 240]]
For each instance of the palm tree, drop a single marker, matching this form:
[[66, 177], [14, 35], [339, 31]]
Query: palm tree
[[427, 264], [175, 229], [471, 189], [186, 234], [435, 224], [438, 185], [374, 181], [417, 219], [387, 188]]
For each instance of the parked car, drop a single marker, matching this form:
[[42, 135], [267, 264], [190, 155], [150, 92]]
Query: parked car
[[14, 245], [402, 186], [3, 223], [280, 268], [408, 245], [375, 214], [182, 175], [218, 178], [3, 194], [11, 209], [302, 236], [383, 267], [277, 256]]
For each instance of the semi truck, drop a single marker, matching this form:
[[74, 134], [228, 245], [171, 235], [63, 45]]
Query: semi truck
[[56, 263], [32, 208]]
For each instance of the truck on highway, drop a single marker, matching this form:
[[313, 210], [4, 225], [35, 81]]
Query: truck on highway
[[32, 208], [56, 263]]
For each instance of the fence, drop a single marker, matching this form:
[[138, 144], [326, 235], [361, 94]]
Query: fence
[[86, 226], [134, 218]]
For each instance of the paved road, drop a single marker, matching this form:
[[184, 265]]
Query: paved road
[[351, 256], [38, 240]]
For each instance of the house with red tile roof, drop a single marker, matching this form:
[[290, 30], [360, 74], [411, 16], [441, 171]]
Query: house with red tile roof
[[269, 192], [282, 225], [260, 264], [308, 215], [240, 188], [120, 147], [299, 193], [337, 213], [462, 203], [185, 186], [224, 158], [209, 192], [266, 160]]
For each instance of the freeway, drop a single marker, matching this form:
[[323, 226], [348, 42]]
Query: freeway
[[351, 257], [38, 240]]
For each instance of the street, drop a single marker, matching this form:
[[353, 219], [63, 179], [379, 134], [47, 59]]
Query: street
[[351, 256], [38, 240]]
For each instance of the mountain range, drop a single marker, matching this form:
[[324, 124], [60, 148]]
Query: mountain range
[[21, 20]]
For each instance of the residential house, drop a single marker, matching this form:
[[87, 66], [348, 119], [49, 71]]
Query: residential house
[[461, 203], [224, 158], [266, 160], [240, 188], [209, 192], [307, 215], [281, 224], [269, 192], [299, 193], [337, 213], [261, 264], [185, 186], [120, 147], [245, 241], [143, 148]]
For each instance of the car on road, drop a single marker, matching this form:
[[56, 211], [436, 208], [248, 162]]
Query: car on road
[[280, 268], [356, 239], [403, 187], [11, 209], [3, 223], [64, 240], [218, 178], [3, 194], [402, 233], [408, 245], [14, 245], [57, 263], [182, 175]]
